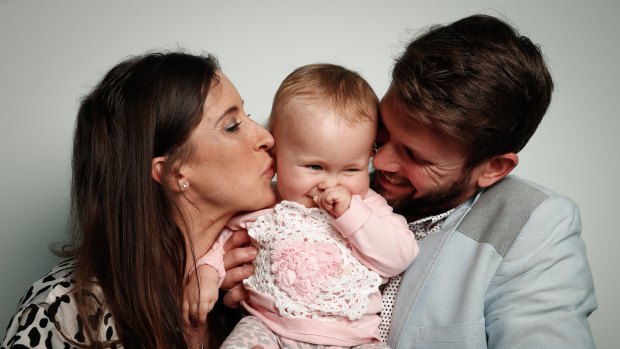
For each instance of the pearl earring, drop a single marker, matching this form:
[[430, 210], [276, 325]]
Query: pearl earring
[[184, 186]]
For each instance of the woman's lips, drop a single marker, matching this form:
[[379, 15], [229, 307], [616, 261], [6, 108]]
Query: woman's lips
[[269, 171]]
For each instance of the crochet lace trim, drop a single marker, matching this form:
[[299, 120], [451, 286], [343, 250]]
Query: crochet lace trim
[[307, 266]]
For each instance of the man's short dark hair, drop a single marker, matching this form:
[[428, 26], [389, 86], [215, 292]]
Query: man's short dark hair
[[477, 80]]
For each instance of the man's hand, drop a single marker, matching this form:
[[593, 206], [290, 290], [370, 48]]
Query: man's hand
[[336, 200], [238, 264], [199, 298]]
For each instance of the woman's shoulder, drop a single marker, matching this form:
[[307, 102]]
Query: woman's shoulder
[[57, 283], [47, 314]]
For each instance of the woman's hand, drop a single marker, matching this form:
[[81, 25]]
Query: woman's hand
[[238, 264]]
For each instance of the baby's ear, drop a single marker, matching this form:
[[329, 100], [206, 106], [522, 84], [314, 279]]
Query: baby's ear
[[275, 159]]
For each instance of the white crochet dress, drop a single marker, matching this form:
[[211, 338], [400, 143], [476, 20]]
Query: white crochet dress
[[307, 266]]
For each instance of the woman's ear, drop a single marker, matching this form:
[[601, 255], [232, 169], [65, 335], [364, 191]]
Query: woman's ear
[[497, 168], [157, 168], [173, 179]]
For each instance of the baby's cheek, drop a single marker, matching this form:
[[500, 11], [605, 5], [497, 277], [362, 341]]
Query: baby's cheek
[[360, 185]]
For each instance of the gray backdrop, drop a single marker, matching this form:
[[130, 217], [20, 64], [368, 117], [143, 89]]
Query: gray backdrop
[[52, 52]]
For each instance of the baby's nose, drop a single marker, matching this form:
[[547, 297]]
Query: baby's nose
[[327, 183]]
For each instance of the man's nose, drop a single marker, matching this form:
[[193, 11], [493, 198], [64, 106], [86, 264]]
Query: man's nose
[[386, 159]]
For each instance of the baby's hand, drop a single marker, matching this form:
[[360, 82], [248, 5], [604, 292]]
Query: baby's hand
[[199, 301], [335, 200]]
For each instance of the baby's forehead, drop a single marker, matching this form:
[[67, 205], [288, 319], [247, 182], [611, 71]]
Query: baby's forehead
[[324, 122], [308, 110], [327, 137], [351, 109]]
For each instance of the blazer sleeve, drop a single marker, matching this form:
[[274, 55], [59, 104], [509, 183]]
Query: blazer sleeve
[[543, 292], [379, 237]]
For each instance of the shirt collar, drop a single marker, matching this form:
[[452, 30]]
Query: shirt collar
[[424, 226]]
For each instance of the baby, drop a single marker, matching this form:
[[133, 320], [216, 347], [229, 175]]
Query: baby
[[331, 241]]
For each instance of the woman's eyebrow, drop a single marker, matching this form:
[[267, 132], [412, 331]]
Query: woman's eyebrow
[[232, 110]]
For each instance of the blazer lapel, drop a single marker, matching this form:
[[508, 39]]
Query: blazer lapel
[[417, 275]]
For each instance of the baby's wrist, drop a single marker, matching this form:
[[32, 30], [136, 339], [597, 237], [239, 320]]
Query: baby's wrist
[[341, 208], [208, 272]]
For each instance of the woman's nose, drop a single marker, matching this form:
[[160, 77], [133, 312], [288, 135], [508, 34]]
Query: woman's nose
[[264, 139]]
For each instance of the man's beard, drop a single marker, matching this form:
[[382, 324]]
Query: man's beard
[[428, 205]]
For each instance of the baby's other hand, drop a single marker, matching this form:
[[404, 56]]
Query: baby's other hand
[[199, 299], [336, 200]]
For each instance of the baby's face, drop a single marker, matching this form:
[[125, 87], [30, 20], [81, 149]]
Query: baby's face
[[316, 150]]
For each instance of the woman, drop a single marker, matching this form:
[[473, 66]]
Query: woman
[[163, 156]]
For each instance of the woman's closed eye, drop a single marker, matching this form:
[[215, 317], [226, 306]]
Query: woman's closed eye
[[234, 127]]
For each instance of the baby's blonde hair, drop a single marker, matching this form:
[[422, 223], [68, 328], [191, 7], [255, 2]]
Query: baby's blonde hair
[[333, 86]]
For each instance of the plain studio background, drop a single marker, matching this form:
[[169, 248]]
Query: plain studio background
[[53, 52]]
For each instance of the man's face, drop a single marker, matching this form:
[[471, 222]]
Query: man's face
[[420, 172]]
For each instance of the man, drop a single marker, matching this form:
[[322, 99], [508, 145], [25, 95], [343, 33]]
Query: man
[[501, 263]]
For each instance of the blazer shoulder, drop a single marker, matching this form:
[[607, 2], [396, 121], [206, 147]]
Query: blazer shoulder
[[501, 211]]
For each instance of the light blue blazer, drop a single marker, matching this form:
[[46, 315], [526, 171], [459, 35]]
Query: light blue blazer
[[507, 270]]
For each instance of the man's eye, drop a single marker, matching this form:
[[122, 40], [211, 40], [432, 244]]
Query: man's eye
[[315, 167], [414, 158], [409, 154], [234, 127]]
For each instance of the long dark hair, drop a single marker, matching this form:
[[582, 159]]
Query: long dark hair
[[124, 233]]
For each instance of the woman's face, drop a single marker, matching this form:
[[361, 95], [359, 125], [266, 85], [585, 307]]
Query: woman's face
[[230, 169]]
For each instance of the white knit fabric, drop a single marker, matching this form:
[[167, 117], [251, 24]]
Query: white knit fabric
[[307, 266]]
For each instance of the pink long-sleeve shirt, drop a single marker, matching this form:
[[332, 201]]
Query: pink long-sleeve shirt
[[378, 238]]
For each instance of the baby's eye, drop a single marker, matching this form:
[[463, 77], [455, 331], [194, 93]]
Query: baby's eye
[[352, 170], [314, 167]]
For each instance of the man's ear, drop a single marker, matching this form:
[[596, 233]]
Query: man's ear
[[172, 178], [496, 168]]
